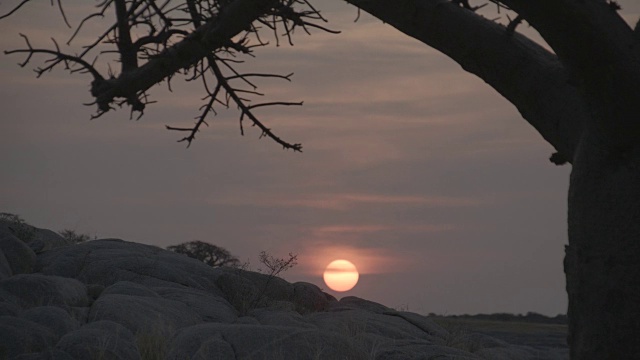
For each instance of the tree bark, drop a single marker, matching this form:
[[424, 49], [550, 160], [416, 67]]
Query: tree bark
[[602, 260]]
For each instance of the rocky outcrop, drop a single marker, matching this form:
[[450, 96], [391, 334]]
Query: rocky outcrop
[[16, 257], [112, 299]]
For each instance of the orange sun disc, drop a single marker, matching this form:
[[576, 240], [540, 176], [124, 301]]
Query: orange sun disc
[[341, 275]]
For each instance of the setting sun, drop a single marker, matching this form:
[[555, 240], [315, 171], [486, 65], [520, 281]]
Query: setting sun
[[341, 275]]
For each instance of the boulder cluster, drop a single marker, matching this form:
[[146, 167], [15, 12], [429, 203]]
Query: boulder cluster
[[113, 299]]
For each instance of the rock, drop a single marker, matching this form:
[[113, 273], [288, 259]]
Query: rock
[[258, 342], [8, 307], [384, 332], [95, 290], [421, 322], [129, 288], [352, 302], [53, 354], [18, 255], [113, 299], [141, 313], [247, 290], [272, 317], [20, 336], [417, 349], [212, 308], [5, 267], [45, 240], [79, 313], [106, 262], [268, 286], [309, 298], [100, 340], [53, 318], [240, 292], [33, 290], [17, 227], [247, 320], [356, 321], [214, 349]]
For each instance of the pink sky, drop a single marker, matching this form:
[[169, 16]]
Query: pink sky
[[417, 172]]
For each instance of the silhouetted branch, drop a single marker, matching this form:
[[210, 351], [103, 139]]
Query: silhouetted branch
[[465, 4], [500, 5], [246, 110], [64, 16], [17, 7], [511, 28], [558, 159], [283, 103], [58, 57], [201, 119], [128, 56], [155, 41], [14, 9]]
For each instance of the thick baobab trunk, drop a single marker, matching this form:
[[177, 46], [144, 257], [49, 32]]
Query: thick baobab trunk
[[602, 262]]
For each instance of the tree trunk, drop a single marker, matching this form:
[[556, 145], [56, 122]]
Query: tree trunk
[[602, 261]]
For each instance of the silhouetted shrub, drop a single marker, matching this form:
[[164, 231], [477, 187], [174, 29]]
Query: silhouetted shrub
[[18, 226], [209, 254], [73, 236]]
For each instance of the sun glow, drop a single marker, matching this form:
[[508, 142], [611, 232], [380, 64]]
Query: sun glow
[[341, 275]]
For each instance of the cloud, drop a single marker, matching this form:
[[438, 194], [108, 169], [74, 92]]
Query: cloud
[[343, 201], [367, 260]]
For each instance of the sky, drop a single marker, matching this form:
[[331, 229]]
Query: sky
[[414, 170]]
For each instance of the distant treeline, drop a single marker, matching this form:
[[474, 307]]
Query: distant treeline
[[531, 317]]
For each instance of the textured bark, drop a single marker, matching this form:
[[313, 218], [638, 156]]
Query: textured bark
[[602, 260], [597, 118]]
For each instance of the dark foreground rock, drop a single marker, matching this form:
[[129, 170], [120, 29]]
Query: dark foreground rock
[[112, 299]]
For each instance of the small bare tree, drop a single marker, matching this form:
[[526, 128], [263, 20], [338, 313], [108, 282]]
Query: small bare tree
[[74, 236]]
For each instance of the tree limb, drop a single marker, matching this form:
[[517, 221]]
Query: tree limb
[[58, 57], [599, 48], [128, 55], [207, 38], [526, 74]]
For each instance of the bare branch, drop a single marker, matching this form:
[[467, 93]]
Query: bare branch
[[465, 4], [155, 42], [58, 57], [284, 103], [127, 51], [64, 16], [14, 9], [246, 110], [201, 119], [511, 28]]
